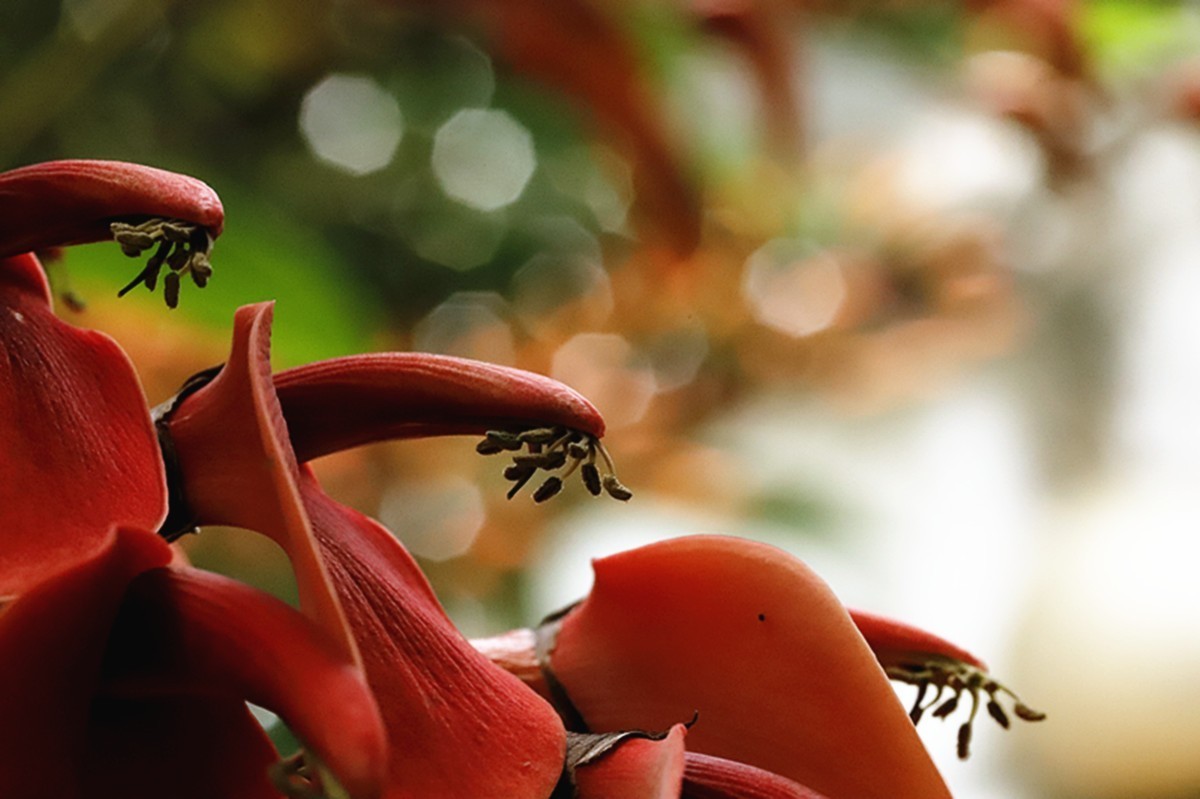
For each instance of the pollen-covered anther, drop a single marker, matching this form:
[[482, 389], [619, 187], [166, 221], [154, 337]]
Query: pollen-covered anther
[[182, 247], [958, 678], [549, 449]]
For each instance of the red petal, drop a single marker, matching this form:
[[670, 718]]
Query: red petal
[[184, 630], [238, 466], [182, 747], [75, 434], [638, 767], [755, 642], [72, 202], [458, 726], [345, 402], [707, 777], [53, 637], [895, 642]]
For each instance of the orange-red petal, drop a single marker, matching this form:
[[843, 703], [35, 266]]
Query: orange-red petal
[[53, 637], [636, 767], [459, 727], [72, 202], [345, 402], [708, 777], [238, 468], [79, 450], [185, 631], [754, 641]]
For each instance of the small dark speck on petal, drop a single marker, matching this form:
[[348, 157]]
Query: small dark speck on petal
[[762, 617]]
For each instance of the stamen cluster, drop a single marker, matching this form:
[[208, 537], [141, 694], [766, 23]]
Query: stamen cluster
[[184, 248], [549, 449], [958, 678]]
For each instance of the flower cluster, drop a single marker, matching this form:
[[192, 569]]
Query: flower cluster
[[699, 667]]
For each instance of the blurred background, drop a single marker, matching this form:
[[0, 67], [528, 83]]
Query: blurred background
[[908, 288]]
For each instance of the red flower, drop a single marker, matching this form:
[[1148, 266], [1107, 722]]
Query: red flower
[[81, 569], [134, 669]]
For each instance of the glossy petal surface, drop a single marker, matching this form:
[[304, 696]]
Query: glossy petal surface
[[755, 642], [239, 469], [75, 434], [638, 767], [344, 402], [459, 727], [184, 631], [72, 202], [708, 777], [53, 638]]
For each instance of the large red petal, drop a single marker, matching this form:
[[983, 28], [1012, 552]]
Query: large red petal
[[896, 642], [708, 777], [638, 767], [79, 450], [755, 642], [184, 630], [72, 202], [238, 467], [344, 402], [53, 639], [181, 747], [459, 727]]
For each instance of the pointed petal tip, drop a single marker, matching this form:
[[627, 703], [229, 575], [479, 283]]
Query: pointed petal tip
[[73, 202]]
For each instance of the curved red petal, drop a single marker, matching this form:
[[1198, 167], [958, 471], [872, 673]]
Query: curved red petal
[[458, 726], [72, 202], [708, 777], [185, 630], [238, 467], [75, 434], [53, 637], [182, 747], [757, 644], [640, 767], [895, 642], [344, 402]]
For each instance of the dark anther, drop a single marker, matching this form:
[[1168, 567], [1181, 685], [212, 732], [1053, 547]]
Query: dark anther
[[549, 449], [614, 488], [1026, 713], [964, 741], [181, 246], [948, 707], [995, 711], [548, 489], [950, 675], [591, 478]]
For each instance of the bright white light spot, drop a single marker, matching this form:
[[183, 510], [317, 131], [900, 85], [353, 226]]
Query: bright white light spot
[[483, 158], [607, 369], [790, 292], [468, 325], [351, 122], [954, 159], [436, 519]]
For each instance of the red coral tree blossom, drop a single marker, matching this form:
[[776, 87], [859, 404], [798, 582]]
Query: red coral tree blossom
[[126, 672]]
